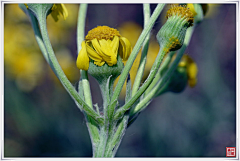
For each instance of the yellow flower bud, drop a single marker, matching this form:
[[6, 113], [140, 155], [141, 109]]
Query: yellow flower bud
[[171, 35]]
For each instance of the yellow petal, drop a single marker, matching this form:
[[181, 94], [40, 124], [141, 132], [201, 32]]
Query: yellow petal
[[55, 15], [93, 54], [83, 59], [108, 51], [99, 63], [191, 7], [125, 48], [99, 50], [58, 9], [192, 70], [64, 11], [115, 44], [98, 60]]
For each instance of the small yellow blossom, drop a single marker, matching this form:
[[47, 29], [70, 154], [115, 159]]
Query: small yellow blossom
[[102, 45], [191, 68], [58, 9]]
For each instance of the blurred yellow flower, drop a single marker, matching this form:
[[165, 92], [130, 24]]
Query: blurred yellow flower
[[22, 62], [191, 68], [102, 44]]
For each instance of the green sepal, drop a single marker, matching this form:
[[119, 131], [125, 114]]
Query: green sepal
[[40, 10], [102, 73], [106, 75]]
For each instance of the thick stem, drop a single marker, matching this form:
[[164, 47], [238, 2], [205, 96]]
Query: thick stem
[[110, 140]]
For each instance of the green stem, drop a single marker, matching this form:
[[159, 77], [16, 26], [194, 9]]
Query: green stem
[[134, 53], [92, 126], [138, 78], [117, 137], [164, 66], [86, 88], [60, 74], [38, 35], [106, 87], [81, 24], [119, 113], [80, 37], [100, 151]]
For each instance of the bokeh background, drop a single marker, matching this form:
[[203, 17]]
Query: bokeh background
[[41, 120]]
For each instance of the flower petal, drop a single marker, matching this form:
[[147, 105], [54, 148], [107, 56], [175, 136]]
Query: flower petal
[[115, 44], [93, 54], [98, 60], [83, 59], [58, 9], [99, 63], [64, 11], [191, 7], [125, 48], [107, 50], [99, 50]]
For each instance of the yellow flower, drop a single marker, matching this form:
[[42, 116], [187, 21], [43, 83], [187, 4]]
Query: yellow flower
[[191, 68], [58, 9], [102, 45]]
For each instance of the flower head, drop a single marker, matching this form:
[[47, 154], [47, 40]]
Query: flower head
[[186, 12], [102, 45]]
